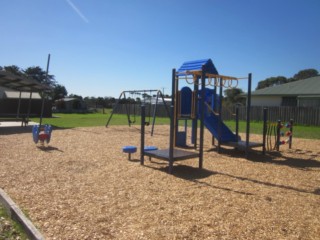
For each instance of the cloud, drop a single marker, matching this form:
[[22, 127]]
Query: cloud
[[74, 7]]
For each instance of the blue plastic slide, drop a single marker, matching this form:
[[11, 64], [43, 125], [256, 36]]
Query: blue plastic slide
[[211, 122]]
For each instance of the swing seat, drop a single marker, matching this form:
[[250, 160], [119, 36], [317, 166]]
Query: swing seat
[[35, 133], [47, 131], [41, 134]]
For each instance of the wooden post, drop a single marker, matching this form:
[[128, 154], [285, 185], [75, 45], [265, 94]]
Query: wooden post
[[265, 117], [291, 131], [173, 120], [248, 115], [220, 116], [237, 123], [43, 94], [202, 100], [171, 141], [143, 119], [19, 105], [278, 135], [194, 129], [29, 107]]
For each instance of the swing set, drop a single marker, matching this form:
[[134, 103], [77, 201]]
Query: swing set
[[42, 132], [128, 99]]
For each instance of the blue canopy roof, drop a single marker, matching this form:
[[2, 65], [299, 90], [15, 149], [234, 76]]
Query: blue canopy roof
[[196, 65]]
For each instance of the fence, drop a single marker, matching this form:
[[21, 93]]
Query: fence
[[300, 115], [135, 109]]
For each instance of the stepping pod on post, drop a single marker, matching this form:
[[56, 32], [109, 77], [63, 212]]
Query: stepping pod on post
[[129, 150]]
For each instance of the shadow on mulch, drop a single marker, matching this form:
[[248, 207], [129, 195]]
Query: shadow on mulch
[[48, 148], [134, 160], [195, 175], [275, 158], [15, 130], [23, 129]]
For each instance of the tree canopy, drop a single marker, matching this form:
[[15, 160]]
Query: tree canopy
[[307, 73], [35, 73], [59, 92], [273, 81], [38, 74], [234, 96]]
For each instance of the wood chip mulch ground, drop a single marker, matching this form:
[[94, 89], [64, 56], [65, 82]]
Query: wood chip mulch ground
[[82, 186]]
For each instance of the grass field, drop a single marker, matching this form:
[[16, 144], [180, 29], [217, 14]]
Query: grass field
[[98, 119], [10, 229]]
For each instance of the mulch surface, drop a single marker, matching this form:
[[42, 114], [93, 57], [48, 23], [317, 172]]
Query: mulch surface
[[82, 186]]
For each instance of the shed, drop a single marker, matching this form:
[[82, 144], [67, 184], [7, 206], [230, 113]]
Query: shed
[[70, 105]]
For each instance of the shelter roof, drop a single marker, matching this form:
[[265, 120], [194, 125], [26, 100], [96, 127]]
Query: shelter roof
[[67, 99], [309, 86], [196, 66], [21, 83], [24, 95]]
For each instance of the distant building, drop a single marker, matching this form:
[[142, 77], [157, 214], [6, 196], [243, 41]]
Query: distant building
[[160, 101], [70, 105], [302, 93]]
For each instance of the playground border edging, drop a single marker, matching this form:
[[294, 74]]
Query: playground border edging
[[16, 214]]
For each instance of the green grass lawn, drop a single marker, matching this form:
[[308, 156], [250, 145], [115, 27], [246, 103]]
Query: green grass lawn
[[10, 229], [98, 119], [299, 131]]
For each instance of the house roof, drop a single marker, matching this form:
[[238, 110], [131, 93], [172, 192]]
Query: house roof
[[21, 83], [309, 86]]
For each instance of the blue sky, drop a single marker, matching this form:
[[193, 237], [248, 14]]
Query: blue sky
[[102, 47]]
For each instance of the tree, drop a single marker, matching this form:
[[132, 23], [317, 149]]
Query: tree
[[59, 92], [75, 96], [90, 102], [100, 102], [233, 96], [109, 101], [14, 70], [272, 81], [40, 75], [307, 73]]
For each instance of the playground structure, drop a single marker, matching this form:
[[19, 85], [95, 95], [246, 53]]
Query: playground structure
[[203, 105], [276, 131], [131, 110]]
